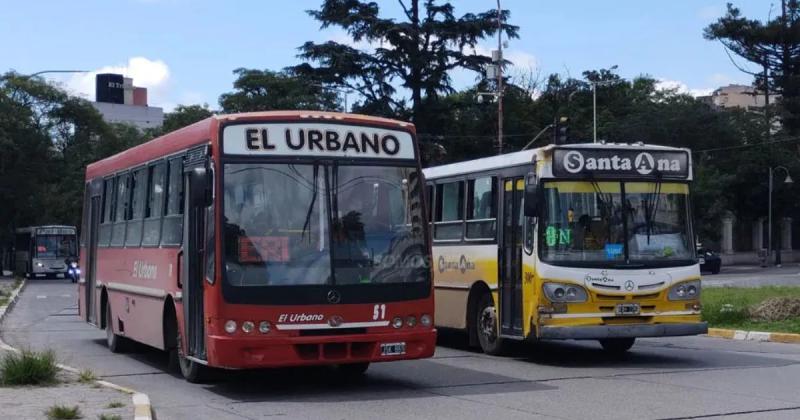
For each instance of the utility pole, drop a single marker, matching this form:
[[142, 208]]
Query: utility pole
[[499, 80]]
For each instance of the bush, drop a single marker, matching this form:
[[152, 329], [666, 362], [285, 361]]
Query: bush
[[62, 412], [109, 417], [86, 376], [28, 368]]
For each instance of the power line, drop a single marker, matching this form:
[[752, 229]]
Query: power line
[[744, 146]]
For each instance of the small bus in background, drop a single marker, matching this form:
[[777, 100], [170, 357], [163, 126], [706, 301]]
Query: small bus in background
[[45, 251], [579, 241], [263, 240]]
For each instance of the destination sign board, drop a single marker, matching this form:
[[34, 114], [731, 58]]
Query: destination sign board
[[316, 139], [621, 163]]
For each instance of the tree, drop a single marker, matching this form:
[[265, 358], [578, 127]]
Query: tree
[[774, 46], [265, 90], [416, 51], [47, 138], [184, 115]]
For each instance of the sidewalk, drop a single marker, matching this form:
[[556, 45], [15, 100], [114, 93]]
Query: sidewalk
[[94, 401]]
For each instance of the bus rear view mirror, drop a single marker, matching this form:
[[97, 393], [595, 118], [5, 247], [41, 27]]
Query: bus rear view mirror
[[531, 195]]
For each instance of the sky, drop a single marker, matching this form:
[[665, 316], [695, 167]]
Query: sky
[[185, 51]]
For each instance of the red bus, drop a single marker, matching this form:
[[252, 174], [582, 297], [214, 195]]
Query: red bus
[[264, 239]]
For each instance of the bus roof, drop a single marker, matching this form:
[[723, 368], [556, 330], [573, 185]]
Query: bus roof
[[527, 157], [203, 131]]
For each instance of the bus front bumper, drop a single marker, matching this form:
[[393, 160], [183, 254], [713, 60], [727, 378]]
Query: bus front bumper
[[594, 332], [282, 351]]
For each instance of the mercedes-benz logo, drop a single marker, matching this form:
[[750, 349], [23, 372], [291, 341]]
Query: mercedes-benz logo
[[334, 296], [629, 285], [335, 321]]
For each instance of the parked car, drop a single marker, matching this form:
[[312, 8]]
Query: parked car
[[709, 260]]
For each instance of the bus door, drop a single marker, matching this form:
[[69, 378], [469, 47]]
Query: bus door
[[510, 278], [195, 200], [91, 234]]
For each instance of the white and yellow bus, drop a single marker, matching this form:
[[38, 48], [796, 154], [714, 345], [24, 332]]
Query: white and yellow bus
[[579, 241]]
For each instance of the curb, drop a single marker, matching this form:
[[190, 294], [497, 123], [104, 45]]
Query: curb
[[754, 335], [142, 410]]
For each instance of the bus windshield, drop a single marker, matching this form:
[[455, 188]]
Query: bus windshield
[[322, 224], [616, 224], [55, 246]]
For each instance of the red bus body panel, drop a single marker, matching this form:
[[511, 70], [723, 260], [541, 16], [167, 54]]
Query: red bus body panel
[[139, 303]]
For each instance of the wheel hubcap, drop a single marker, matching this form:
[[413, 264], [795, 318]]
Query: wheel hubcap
[[488, 324]]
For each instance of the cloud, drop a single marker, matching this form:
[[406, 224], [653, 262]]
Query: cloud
[[151, 74], [680, 87]]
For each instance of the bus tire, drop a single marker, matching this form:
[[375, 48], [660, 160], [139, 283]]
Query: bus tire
[[192, 371], [486, 326], [115, 342], [617, 345]]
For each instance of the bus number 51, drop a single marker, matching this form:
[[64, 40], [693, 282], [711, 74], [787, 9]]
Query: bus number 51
[[379, 311]]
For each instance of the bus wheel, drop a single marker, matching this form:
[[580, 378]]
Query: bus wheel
[[486, 325], [116, 343], [617, 345], [192, 371]]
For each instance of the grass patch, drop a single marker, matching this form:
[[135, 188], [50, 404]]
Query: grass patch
[[729, 307], [109, 417], [62, 412], [28, 368], [3, 300], [86, 376], [115, 404]]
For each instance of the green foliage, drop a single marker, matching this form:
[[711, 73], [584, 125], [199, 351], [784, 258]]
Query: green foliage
[[28, 368], [109, 417], [86, 376], [257, 90], [729, 307], [63, 412], [115, 404], [416, 52], [773, 45], [48, 138]]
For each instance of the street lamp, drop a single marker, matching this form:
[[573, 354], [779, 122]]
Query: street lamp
[[594, 99], [788, 180], [53, 71]]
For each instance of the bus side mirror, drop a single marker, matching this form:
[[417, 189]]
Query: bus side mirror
[[531, 195], [198, 181]]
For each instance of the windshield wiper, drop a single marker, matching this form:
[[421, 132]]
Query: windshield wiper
[[650, 205], [315, 192]]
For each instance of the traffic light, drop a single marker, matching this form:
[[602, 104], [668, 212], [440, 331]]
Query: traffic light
[[562, 130]]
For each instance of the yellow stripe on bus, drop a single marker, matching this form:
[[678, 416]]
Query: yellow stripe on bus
[[613, 187]]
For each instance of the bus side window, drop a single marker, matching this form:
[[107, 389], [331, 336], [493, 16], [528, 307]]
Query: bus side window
[[172, 227], [121, 198], [154, 207], [138, 189], [104, 234], [482, 208], [449, 211]]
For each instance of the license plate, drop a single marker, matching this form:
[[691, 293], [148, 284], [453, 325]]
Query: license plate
[[627, 309], [60, 275], [701, 260], [393, 349]]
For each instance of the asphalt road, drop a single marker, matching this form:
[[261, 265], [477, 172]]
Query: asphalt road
[[754, 276], [693, 377]]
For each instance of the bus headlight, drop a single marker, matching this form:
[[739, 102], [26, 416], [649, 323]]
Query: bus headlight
[[248, 326], [264, 327], [40, 265], [425, 320], [230, 326], [685, 291], [562, 292], [411, 321], [397, 322]]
